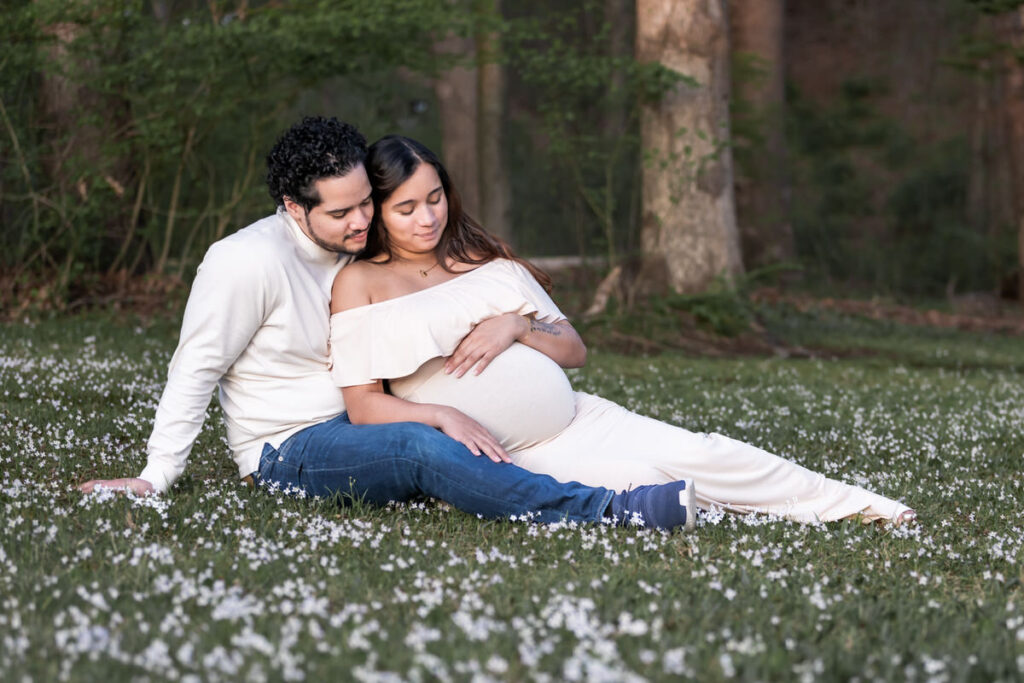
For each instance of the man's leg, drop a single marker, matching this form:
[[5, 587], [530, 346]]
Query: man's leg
[[381, 463]]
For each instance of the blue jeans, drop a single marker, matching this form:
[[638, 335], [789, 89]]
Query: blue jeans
[[405, 460]]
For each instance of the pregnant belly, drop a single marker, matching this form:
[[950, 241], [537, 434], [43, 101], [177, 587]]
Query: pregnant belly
[[522, 398]]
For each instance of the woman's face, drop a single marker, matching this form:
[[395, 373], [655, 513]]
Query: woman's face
[[416, 213]]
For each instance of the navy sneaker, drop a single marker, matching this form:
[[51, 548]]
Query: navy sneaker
[[661, 506]]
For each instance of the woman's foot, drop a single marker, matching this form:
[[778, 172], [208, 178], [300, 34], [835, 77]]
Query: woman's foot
[[908, 516]]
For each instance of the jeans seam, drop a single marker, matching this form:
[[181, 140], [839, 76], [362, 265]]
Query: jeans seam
[[441, 473]]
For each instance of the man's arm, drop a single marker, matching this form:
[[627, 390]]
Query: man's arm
[[140, 487], [226, 306]]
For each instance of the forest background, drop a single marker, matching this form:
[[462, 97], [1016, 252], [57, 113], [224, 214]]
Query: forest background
[[866, 146]]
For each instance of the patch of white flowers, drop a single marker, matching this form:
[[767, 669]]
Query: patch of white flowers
[[215, 582]]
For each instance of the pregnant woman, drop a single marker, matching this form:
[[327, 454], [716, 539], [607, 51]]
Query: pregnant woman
[[442, 324]]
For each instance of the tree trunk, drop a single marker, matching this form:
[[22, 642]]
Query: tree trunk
[[61, 102], [456, 92], [991, 203], [762, 190], [689, 234], [1014, 102], [494, 187], [618, 15], [997, 183], [80, 154]]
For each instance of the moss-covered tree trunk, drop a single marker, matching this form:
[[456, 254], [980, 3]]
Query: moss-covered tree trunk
[[688, 234]]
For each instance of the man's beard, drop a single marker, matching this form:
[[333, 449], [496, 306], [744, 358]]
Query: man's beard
[[336, 248], [330, 246]]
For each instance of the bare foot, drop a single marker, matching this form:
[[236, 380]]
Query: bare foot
[[905, 518]]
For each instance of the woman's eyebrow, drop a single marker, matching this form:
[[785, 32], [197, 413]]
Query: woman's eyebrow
[[437, 189]]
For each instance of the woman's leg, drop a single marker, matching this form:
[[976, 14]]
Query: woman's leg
[[606, 445]]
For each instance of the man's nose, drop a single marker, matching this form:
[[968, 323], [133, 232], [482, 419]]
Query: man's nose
[[362, 217]]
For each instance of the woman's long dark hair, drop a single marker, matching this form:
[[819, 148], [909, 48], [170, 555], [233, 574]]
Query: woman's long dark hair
[[390, 162]]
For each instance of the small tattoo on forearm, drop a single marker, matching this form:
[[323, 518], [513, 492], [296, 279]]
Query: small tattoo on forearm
[[547, 328]]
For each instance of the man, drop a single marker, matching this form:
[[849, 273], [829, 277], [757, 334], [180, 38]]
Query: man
[[257, 325]]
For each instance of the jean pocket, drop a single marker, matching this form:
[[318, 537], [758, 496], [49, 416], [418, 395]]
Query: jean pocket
[[269, 459], [276, 469]]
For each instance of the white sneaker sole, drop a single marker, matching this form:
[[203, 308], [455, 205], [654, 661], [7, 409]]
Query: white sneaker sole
[[688, 500]]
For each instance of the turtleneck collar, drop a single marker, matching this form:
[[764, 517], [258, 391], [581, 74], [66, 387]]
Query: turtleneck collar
[[307, 247]]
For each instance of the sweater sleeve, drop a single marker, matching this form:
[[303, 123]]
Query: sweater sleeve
[[226, 306]]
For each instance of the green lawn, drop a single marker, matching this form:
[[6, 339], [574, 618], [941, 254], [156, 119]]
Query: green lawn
[[216, 582]]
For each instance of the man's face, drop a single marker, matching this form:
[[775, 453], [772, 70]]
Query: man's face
[[340, 221]]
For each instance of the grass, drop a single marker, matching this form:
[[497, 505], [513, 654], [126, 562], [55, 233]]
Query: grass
[[216, 582]]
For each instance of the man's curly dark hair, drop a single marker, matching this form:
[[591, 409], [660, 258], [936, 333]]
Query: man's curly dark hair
[[315, 148]]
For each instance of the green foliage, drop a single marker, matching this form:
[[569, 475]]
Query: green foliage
[[995, 6], [139, 128], [587, 100], [724, 308], [155, 147], [874, 206]]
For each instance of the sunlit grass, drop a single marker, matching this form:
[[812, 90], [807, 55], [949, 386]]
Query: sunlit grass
[[216, 582]]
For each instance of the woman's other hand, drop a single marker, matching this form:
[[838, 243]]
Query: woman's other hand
[[140, 487], [470, 433], [485, 342]]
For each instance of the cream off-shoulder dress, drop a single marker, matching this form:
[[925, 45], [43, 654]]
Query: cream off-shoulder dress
[[525, 400]]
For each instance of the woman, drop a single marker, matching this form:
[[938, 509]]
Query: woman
[[469, 341]]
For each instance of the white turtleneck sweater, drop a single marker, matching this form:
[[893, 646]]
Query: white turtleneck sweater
[[256, 323]]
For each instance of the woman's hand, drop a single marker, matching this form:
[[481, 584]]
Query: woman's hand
[[140, 487], [485, 342], [470, 433]]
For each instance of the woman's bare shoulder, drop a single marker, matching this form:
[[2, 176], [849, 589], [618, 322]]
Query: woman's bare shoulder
[[352, 286]]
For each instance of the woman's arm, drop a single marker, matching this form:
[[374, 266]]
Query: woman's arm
[[559, 341], [368, 404]]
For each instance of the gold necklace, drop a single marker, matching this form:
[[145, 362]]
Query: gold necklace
[[424, 272]]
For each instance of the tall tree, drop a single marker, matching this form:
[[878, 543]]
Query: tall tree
[[456, 92], [689, 234], [494, 185], [1011, 26], [996, 192], [81, 123], [471, 100], [756, 28]]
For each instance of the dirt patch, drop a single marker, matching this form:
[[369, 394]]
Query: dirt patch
[[1005, 318]]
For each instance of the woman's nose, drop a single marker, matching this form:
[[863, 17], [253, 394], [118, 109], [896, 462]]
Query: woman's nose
[[427, 215]]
